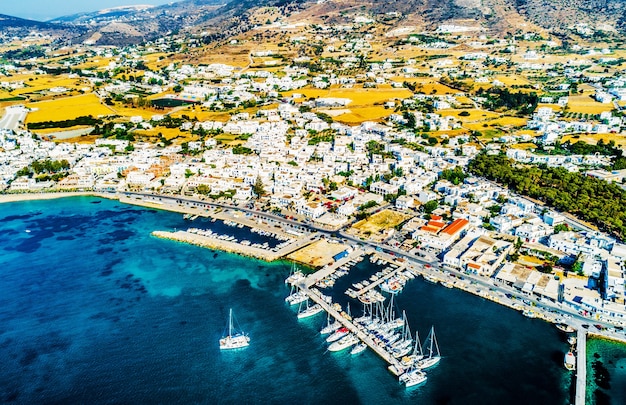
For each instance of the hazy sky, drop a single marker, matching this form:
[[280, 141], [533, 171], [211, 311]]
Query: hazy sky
[[43, 10]]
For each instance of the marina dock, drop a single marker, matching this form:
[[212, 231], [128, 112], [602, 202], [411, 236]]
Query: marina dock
[[352, 327], [581, 367], [381, 280]]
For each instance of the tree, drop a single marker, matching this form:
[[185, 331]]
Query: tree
[[258, 188], [430, 206], [203, 189]]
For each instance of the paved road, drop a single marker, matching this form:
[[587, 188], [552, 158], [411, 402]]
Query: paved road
[[12, 118]]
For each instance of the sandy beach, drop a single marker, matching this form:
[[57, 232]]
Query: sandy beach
[[5, 198]]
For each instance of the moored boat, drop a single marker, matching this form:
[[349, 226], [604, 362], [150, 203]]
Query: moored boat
[[413, 378], [310, 311], [570, 361], [358, 348], [343, 343], [341, 332], [565, 328]]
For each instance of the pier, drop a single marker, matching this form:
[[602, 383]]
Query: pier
[[358, 331], [581, 366], [234, 247], [381, 280]]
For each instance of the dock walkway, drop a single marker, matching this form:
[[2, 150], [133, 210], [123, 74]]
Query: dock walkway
[[581, 367], [364, 337], [381, 280]]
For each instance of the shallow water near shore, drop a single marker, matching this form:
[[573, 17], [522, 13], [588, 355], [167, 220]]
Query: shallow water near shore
[[95, 310]]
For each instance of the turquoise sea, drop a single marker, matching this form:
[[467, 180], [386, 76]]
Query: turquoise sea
[[606, 372], [95, 310]]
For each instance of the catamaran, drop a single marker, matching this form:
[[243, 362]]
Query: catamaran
[[234, 339], [431, 359], [413, 377]]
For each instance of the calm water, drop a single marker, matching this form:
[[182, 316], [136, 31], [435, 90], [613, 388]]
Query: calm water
[[95, 310], [606, 372]]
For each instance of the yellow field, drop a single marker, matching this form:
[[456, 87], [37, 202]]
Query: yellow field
[[585, 104], [40, 83], [474, 115], [361, 114], [512, 80], [381, 221], [523, 146], [67, 108], [619, 139]]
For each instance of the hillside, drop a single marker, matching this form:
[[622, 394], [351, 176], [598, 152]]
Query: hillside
[[220, 19], [14, 26]]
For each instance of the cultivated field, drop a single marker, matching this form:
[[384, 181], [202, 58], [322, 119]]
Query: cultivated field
[[586, 105], [67, 108]]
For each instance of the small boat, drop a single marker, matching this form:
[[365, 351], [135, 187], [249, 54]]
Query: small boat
[[234, 339], [343, 343], [358, 348], [565, 328], [571, 340], [570, 361], [431, 279], [528, 313]]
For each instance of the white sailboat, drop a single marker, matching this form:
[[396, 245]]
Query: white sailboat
[[330, 327], [235, 339], [431, 358], [309, 311]]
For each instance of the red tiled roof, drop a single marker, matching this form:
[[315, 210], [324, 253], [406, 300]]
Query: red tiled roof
[[456, 226], [474, 266]]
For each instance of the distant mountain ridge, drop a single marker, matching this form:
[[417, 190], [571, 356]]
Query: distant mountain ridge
[[223, 18]]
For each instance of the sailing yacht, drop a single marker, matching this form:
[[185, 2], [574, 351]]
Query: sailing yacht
[[330, 327], [310, 311], [431, 359], [235, 339]]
